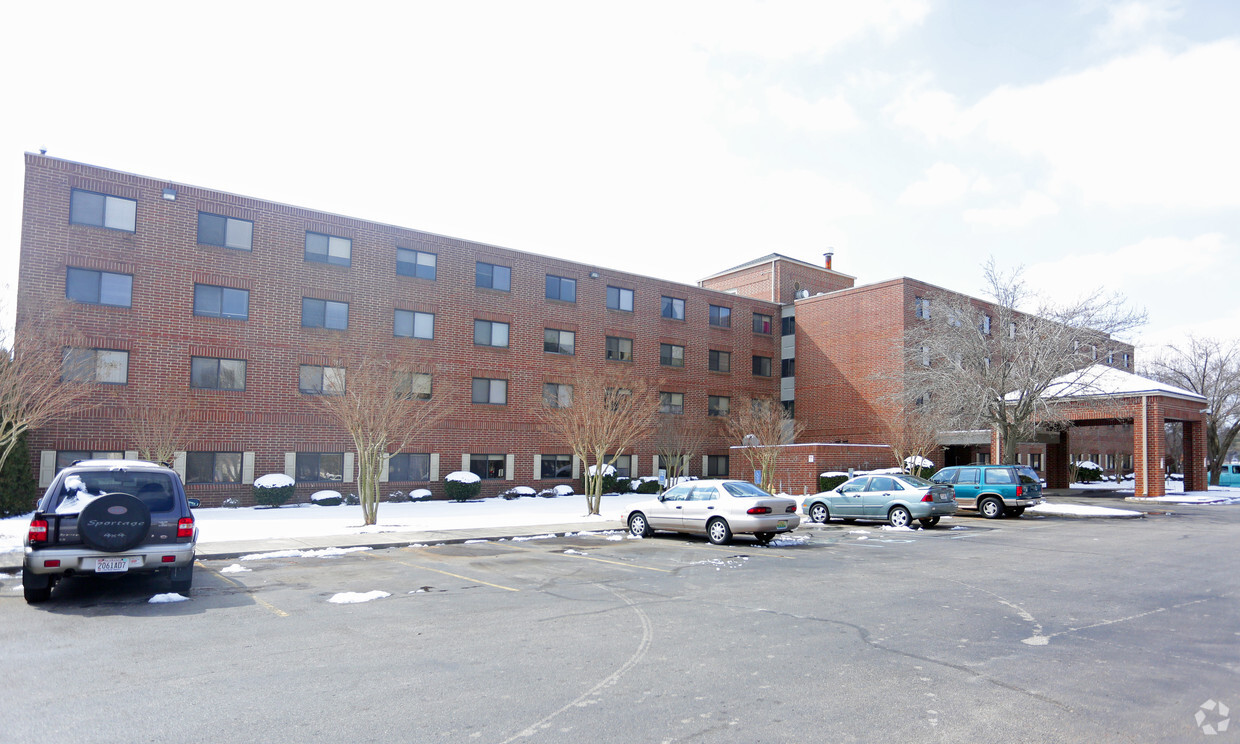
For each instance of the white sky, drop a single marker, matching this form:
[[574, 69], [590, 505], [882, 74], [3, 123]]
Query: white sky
[[1093, 142]]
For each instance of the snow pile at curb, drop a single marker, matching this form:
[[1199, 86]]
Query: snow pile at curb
[[324, 553], [1078, 510], [356, 597]]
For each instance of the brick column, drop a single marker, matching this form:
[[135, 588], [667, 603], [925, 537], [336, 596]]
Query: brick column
[[1056, 467], [1196, 477], [1148, 446], [996, 447]]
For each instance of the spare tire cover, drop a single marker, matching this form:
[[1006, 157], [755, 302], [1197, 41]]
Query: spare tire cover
[[114, 522]]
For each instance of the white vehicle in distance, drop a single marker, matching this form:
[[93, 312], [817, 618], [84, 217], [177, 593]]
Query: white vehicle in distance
[[717, 509]]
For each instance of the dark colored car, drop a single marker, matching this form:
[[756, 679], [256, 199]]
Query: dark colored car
[[108, 517], [993, 490]]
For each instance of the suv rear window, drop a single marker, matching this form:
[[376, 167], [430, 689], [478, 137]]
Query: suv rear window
[[1027, 475], [998, 476], [153, 489]]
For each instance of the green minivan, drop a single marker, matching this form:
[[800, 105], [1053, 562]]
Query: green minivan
[[993, 490]]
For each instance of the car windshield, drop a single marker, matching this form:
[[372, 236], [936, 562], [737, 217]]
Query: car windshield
[[743, 490], [915, 481], [153, 489]]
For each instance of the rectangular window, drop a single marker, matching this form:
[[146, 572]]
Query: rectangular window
[[492, 276], [99, 287], [787, 367], [556, 395], [95, 365], [557, 466], [1035, 460], [671, 355], [921, 308], [671, 403], [623, 465], [413, 385], [985, 325], [226, 232], [416, 263], [316, 380], [561, 288], [405, 467], [1110, 357], [1126, 361], [925, 356], [221, 302], [490, 333], [619, 298], [324, 314], [790, 406], [716, 466], [788, 326], [762, 366], [1012, 330], [320, 466], [209, 373], [674, 308], [212, 467], [619, 349], [409, 324], [720, 361], [720, 317], [328, 249], [761, 323], [493, 392], [101, 210], [488, 467], [65, 458], [718, 405], [559, 342]]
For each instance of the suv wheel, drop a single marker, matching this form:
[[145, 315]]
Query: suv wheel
[[182, 578], [36, 588], [991, 508]]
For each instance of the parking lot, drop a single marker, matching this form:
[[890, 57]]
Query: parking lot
[[1005, 630]]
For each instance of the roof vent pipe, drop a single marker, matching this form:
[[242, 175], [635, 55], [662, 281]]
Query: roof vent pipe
[[830, 252]]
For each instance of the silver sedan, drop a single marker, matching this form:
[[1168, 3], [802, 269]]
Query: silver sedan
[[717, 509], [896, 499]]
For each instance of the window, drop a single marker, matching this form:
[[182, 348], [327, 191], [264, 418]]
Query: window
[[65, 458], [720, 361], [320, 466], [761, 323], [491, 276], [1126, 360], [720, 317], [212, 467], [221, 302], [671, 402], [984, 327], [716, 466], [99, 287], [1110, 357], [95, 365], [619, 349], [788, 326], [557, 466], [790, 406], [556, 395], [561, 288], [673, 308], [494, 392], [921, 308], [409, 467], [490, 333], [324, 314], [925, 356], [1012, 329], [316, 380], [559, 342], [787, 368], [762, 366], [487, 467], [101, 210], [671, 355], [409, 324], [718, 405], [209, 373], [328, 249], [623, 465], [226, 232], [413, 385], [1035, 460], [619, 298], [415, 263]]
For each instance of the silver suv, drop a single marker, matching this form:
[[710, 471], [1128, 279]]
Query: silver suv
[[108, 517]]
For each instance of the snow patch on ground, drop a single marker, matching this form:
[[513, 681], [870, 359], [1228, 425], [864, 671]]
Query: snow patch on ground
[[548, 536], [787, 539], [358, 597], [167, 598], [324, 553], [1079, 510], [235, 568]]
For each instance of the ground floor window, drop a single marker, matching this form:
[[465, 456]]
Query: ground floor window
[[409, 467], [557, 466], [717, 466], [212, 467], [65, 458], [1035, 460], [320, 466], [488, 466], [623, 465]]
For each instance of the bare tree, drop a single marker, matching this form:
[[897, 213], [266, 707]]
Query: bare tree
[[762, 428], [608, 414], [677, 440], [158, 432], [384, 402], [991, 363], [913, 426], [1211, 368], [33, 388]]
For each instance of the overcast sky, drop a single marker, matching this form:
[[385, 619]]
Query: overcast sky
[[1096, 143]]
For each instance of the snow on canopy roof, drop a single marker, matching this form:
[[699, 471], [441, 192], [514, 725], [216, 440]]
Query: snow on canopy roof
[[1098, 380]]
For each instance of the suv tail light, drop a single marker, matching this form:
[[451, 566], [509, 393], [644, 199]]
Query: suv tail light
[[38, 531], [759, 510], [185, 527], [1019, 491]]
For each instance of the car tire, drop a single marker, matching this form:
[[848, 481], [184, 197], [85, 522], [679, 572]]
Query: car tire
[[991, 508], [1016, 511], [638, 526], [37, 588], [929, 521], [114, 523], [818, 512], [718, 531], [182, 578], [899, 517], [764, 538]]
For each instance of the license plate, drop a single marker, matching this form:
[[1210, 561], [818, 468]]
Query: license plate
[[781, 525], [111, 565]]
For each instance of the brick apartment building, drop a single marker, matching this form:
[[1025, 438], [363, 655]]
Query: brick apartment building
[[173, 290]]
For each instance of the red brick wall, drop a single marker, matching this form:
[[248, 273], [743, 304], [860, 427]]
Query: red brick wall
[[779, 279]]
